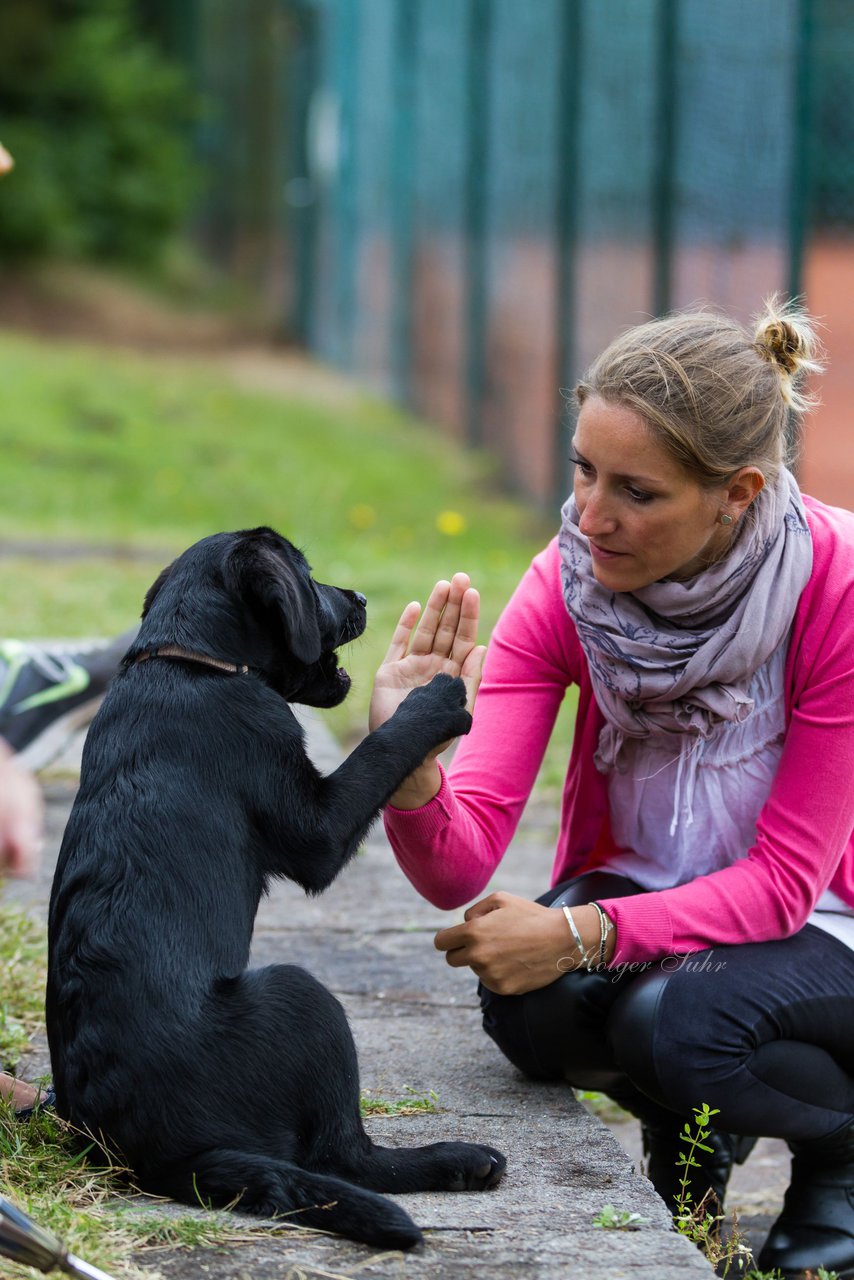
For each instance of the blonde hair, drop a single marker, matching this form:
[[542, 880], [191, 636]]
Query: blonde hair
[[715, 397]]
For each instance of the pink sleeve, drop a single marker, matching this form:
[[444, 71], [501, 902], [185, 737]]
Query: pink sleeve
[[450, 847], [802, 831]]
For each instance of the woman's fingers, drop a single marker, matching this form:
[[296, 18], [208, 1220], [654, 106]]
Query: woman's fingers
[[403, 633], [466, 624], [424, 639], [452, 605], [447, 629], [447, 633]]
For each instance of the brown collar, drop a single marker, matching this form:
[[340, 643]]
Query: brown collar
[[172, 651]]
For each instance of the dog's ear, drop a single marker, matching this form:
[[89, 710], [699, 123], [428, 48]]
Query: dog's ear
[[284, 589], [154, 590]]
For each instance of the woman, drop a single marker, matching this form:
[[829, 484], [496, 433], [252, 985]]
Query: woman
[[704, 949]]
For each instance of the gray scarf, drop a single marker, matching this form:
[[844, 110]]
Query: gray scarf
[[678, 657]]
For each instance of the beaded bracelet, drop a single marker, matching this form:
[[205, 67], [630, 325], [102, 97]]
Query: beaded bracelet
[[606, 924]]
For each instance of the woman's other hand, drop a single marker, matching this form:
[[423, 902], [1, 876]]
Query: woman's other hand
[[21, 817], [515, 945], [442, 639]]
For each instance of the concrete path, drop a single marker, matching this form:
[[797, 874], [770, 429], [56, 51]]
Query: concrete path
[[417, 1029]]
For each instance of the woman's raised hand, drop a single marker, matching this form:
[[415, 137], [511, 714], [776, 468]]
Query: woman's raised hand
[[441, 639]]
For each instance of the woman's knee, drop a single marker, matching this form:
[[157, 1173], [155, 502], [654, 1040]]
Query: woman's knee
[[557, 1032], [673, 1035]]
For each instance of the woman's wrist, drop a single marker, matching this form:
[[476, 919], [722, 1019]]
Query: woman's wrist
[[593, 934], [422, 786]]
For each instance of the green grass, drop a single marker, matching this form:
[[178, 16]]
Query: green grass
[[411, 1104], [114, 452], [50, 1173], [23, 969]]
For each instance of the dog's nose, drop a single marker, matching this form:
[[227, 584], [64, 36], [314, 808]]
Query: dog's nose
[[360, 599]]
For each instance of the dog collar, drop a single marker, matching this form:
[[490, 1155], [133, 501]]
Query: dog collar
[[187, 655]]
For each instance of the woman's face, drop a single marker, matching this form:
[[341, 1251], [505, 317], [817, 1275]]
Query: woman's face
[[644, 517]]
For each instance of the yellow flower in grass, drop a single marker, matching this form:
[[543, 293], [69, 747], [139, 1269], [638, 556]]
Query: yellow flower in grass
[[451, 523], [362, 516]]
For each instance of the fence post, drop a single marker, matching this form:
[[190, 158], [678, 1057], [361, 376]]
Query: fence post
[[302, 76], [346, 179], [664, 189], [475, 198], [566, 228], [799, 196], [401, 193]]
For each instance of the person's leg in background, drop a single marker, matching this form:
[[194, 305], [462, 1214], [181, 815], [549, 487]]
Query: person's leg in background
[[763, 1032], [49, 691]]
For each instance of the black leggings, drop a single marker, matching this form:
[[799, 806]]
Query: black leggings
[[763, 1031]]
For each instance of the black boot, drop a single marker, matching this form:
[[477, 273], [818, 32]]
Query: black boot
[[663, 1146], [816, 1227]]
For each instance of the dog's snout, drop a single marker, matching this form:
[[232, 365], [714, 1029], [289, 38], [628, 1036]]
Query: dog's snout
[[360, 599]]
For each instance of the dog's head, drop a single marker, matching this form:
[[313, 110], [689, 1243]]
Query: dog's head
[[249, 598]]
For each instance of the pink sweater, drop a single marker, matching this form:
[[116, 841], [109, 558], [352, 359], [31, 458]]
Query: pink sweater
[[804, 833]]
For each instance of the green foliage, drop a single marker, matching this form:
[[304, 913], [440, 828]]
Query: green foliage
[[700, 1223], [411, 1104], [97, 121], [23, 968], [48, 1173], [613, 1219], [138, 457]]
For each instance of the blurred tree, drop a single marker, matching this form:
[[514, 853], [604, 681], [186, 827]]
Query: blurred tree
[[98, 122]]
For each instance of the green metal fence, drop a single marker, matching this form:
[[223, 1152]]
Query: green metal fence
[[461, 201]]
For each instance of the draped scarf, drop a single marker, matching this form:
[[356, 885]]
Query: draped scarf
[[678, 657]]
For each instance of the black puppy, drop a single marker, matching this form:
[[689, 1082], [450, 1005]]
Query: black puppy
[[212, 1080]]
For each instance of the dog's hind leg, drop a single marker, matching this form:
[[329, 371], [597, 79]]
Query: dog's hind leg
[[277, 1188], [304, 1061]]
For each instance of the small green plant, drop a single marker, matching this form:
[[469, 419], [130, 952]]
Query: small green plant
[[701, 1223], [410, 1105], [613, 1219], [695, 1141]]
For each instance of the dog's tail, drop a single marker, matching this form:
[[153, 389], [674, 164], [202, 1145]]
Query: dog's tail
[[277, 1188]]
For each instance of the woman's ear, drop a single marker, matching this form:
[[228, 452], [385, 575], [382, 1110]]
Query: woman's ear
[[742, 489]]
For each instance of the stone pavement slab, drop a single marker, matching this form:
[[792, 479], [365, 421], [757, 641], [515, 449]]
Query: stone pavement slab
[[416, 1025]]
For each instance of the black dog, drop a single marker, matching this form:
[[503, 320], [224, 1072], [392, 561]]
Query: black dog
[[214, 1081]]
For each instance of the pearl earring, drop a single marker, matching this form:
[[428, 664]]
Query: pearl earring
[[725, 519]]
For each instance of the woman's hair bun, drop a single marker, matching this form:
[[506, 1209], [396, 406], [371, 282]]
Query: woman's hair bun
[[785, 336]]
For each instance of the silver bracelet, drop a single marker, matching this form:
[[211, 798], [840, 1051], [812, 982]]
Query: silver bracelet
[[583, 957], [606, 924]]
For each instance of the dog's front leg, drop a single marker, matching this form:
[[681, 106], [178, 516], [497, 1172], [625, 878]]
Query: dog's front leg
[[346, 803]]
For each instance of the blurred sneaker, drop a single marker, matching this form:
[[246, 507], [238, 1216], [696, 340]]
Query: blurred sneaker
[[48, 692]]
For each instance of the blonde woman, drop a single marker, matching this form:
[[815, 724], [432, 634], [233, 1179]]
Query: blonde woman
[[697, 945]]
